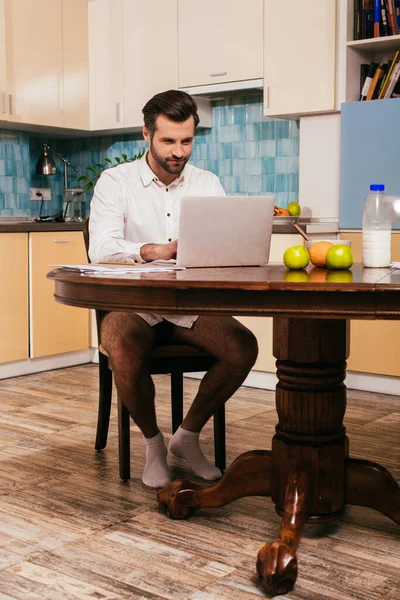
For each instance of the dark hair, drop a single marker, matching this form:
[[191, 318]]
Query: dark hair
[[174, 104]]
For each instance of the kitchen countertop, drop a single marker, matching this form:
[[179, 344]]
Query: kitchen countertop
[[28, 225], [280, 225]]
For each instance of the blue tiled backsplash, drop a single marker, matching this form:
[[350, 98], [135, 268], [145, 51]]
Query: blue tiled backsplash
[[251, 155]]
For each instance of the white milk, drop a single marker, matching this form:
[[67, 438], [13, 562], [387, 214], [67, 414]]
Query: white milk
[[376, 250]]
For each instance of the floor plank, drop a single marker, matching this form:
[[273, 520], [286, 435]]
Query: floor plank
[[69, 529]]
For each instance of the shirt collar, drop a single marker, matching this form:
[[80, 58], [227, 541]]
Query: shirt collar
[[147, 175]]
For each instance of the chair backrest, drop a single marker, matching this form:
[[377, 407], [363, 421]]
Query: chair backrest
[[86, 237]]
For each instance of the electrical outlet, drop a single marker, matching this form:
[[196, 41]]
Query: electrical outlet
[[40, 194]]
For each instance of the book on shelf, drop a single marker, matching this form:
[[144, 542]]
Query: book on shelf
[[394, 78], [368, 80], [384, 29], [382, 80], [376, 82], [376, 18], [391, 17]]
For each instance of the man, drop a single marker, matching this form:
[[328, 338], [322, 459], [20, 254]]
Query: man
[[135, 213]]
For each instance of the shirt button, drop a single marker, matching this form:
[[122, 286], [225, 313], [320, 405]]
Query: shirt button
[[166, 189], [170, 239], [168, 214]]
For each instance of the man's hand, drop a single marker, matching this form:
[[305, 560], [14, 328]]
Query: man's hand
[[159, 251]]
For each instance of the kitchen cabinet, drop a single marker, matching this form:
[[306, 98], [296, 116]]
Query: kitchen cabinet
[[127, 66], [34, 61], [46, 57], [374, 345], [262, 326], [105, 64], [14, 311], [299, 57], [3, 71], [150, 56], [54, 328], [220, 42], [75, 72]]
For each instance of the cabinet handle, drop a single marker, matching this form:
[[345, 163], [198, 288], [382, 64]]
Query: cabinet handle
[[266, 97], [219, 74], [10, 103], [61, 241], [4, 103], [117, 112]]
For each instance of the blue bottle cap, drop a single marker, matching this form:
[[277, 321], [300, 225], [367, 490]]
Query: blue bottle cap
[[377, 187]]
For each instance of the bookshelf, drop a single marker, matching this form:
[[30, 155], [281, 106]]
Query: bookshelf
[[363, 51]]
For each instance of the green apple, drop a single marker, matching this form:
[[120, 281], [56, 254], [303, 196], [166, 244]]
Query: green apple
[[294, 209], [296, 257], [339, 256]]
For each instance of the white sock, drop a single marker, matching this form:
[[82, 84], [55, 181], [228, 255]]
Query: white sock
[[185, 444], [155, 473]]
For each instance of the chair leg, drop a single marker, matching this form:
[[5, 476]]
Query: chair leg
[[124, 450], [105, 393], [219, 438], [176, 399]]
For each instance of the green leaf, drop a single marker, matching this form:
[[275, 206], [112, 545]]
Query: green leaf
[[117, 159], [92, 169], [82, 178], [108, 160], [124, 156], [100, 166], [90, 185]]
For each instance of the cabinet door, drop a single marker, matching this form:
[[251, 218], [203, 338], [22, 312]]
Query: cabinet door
[[34, 61], [299, 57], [262, 327], [3, 71], [219, 41], [54, 328], [150, 53], [374, 345], [75, 64], [105, 63], [14, 311]]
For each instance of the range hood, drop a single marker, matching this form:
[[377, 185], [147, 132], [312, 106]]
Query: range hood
[[221, 88]]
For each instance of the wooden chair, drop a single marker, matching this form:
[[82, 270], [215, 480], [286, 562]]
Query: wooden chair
[[173, 359]]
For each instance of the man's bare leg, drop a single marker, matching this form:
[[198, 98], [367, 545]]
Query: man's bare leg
[[235, 349], [129, 341]]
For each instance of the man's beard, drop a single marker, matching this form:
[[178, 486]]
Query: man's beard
[[166, 164]]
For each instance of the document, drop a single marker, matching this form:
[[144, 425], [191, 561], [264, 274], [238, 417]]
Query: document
[[120, 268]]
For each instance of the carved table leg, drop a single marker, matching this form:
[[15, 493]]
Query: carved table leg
[[370, 484], [277, 562], [310, 447], [248, 475]]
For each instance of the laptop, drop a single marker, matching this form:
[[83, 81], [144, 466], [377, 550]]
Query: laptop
[[225, 231]]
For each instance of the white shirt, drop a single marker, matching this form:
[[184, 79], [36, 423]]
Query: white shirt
[[132, 207]]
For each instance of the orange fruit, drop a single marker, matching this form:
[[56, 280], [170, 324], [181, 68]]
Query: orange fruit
[[318, 252]]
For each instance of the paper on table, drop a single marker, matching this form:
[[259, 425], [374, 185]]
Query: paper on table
[[395, 265], [109, 269]]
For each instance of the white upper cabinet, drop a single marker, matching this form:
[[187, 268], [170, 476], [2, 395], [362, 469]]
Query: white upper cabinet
[[150, 56], [105, 64], [3, 70], [299, 57], [75, 64], [34, 61], [220, 41]]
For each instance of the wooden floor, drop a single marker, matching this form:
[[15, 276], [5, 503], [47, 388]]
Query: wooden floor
[[69, 529]]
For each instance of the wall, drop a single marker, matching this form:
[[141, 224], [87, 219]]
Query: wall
[[251, 154]]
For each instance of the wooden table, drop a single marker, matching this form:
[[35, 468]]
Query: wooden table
[[308, 472]]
